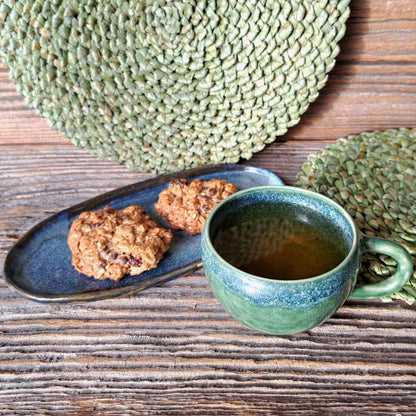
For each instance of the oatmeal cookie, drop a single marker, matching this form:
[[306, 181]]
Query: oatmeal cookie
[[109, 243], [186, 205]]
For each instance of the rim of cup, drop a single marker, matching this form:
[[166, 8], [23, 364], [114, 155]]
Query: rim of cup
[[282, 189]]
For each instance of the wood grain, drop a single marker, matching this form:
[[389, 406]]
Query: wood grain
[[172, 349]]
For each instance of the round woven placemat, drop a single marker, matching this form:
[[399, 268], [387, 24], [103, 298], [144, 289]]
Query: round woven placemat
[[166, 85], [373, 176]]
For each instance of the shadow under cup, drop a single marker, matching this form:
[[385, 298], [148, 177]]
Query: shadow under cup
[[271, 305]]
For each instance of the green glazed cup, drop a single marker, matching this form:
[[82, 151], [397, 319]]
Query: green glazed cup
[[291, 306]]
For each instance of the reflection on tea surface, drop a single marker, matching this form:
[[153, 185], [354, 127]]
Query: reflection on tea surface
[[278, 248]]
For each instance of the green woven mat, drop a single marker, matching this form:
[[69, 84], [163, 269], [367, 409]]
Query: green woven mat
[[373, 176], [163, 85]]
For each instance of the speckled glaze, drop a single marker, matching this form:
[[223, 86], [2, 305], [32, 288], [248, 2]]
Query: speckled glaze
[[291, 306], [39, 265]]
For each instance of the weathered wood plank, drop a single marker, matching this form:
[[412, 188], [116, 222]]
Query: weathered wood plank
[[176, 341], [172, 349]]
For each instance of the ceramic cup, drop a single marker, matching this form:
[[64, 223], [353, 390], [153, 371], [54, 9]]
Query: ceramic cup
[[291, 306]]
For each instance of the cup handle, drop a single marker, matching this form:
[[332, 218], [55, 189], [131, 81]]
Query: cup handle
[[397, 280]]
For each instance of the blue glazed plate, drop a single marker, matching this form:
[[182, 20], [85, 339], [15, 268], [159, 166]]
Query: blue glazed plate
[[39, 265]]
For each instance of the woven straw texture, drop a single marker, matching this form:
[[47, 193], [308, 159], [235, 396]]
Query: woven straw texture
[[373, 176], [163, 85]]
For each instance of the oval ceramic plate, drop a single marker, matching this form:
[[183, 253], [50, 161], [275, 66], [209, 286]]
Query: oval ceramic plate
[[39, 265]]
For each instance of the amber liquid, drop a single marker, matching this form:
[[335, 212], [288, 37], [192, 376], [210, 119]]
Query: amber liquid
[[279, 248]]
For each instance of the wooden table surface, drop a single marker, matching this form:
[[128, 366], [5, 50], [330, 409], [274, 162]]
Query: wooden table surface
[[172, 349]]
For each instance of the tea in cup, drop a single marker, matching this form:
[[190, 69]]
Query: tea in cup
[[283, 260]]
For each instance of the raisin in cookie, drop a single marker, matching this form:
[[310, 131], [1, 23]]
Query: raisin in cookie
[[186, 205], [109, 243]]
